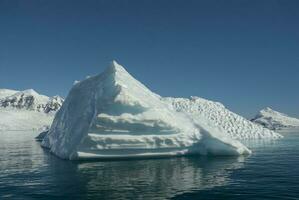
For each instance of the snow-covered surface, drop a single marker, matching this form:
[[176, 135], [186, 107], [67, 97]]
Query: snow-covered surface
[[18, 120], [235, 126], [26, 110], [112, 115], [274, 120], [30, 100], [7, 92]]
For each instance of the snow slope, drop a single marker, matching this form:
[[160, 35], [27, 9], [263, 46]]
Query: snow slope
[[26, 110], [236, 127], [112, 115], [274, 120], [17, 120]]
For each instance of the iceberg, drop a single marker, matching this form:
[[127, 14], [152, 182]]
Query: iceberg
[[112, 115], [274, 120], [235, 126]]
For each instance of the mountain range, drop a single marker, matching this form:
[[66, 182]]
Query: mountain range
[[27, 110]]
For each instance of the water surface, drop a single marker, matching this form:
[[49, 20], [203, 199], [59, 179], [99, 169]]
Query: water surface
[[29, 172]]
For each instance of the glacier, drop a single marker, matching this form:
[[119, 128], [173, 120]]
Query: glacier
[[112, 115], [26, 110], [275, 120]]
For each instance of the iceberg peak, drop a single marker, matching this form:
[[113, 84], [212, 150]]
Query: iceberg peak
[[114, 67], [114, 63], [268, 109]]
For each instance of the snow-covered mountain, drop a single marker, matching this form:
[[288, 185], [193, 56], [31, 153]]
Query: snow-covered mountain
[[26, 110], [112, 115], [236, 126], [30, 100], [274, 120]]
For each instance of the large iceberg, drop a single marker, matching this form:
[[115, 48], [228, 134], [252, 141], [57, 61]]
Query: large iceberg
[[112, 115]]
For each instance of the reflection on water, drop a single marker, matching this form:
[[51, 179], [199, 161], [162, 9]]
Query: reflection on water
[[27, 171], [156, 178]]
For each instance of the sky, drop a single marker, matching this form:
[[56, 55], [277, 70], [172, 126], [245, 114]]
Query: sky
[[243, 53]]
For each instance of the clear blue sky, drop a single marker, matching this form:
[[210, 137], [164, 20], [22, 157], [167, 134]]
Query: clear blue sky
[[243, 53]]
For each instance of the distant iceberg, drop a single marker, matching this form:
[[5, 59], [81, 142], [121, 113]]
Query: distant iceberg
[[274, 120], [112, 115]]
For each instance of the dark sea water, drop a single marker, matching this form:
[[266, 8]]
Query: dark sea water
[[29, 172]]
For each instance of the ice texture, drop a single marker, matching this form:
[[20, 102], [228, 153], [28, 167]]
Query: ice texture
[[235, 126]]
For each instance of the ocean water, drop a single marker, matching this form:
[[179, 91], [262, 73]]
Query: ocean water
[[29, 172]]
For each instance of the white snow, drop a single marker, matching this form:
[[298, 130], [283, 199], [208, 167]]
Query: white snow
[[235, 126], [17, 120], [7, 92], [75, 82], [112, 115], [31, 100], [26, 110], [275, 120]]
